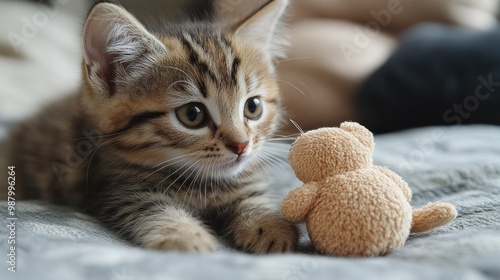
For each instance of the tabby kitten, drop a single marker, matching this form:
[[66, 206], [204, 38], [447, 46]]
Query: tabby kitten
[[162, 144]]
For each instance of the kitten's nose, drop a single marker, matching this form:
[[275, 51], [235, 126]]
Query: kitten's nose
[[237, 148]]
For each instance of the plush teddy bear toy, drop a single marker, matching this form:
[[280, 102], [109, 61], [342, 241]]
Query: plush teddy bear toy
[[352, 207]]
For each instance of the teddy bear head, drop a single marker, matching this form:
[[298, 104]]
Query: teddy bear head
[[325, 152]]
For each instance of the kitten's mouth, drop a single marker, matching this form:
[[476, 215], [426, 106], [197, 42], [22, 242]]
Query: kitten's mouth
[[235, 163]]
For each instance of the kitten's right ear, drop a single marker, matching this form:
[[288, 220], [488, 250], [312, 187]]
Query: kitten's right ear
[[116, 47], [264, 27]]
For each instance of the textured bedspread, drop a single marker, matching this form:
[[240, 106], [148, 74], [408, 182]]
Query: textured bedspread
[[460, 165]]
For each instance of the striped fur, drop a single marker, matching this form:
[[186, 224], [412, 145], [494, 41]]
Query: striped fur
[[118, 151]]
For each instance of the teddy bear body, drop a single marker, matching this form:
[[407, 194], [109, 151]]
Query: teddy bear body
[[352, 207], [343, 223]]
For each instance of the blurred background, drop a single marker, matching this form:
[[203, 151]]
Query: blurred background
[[389, 64]]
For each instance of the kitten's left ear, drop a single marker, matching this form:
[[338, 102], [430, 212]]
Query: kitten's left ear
[[264, 27], [116, 47]]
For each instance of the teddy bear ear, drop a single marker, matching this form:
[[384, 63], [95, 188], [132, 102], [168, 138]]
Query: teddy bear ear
[[364, 135]]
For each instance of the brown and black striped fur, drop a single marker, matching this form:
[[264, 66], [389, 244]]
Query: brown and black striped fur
[[118, 150]]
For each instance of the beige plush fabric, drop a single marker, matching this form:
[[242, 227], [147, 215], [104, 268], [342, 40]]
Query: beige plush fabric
[[351, 207]]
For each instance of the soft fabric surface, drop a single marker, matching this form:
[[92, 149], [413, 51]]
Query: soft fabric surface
[[462, 167]]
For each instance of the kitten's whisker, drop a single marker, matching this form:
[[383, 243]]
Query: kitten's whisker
[[195, 179], [260, 165], [262, 160], [203, 177], [170, 175], [278, 162], [123, 171], [205, 193], [203, 180], [294, 86], [104, 135], [166, 164], [97, 147], [160, 169], [282, 160], [297, 126], [180, 176], [302, 83], [200, 170], [277, 148], [278, 154], [272, 161], [289, 135], [297, 58], [170, 162], [190, 185], [281, 139], [207, 178], [195, 169], [175, 158], [212, 178], [92, 154]]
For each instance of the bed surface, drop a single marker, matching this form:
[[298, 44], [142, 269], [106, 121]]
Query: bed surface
[[462, 167]]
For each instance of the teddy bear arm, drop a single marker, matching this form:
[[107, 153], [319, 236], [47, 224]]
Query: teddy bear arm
[[397, 179], [299, 202]]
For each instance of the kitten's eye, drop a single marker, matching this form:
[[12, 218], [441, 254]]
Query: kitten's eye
[[192, 115], [253, 108]]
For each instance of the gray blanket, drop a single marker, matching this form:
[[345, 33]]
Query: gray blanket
[[460, 165]]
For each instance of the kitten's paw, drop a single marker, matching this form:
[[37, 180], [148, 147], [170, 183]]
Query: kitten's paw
[[267, 234], [184, 239]]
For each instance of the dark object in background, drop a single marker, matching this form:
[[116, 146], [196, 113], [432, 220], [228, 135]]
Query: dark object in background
[[438, 76]]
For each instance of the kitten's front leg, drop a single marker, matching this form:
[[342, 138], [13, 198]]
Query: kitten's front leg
[[257, 227], [158, 225], [175, 229]]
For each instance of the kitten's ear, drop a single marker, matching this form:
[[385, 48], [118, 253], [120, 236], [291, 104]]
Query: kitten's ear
[[116, 47], [265, 27]]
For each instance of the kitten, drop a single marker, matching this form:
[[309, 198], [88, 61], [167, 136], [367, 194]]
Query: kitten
[[162, 143]]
